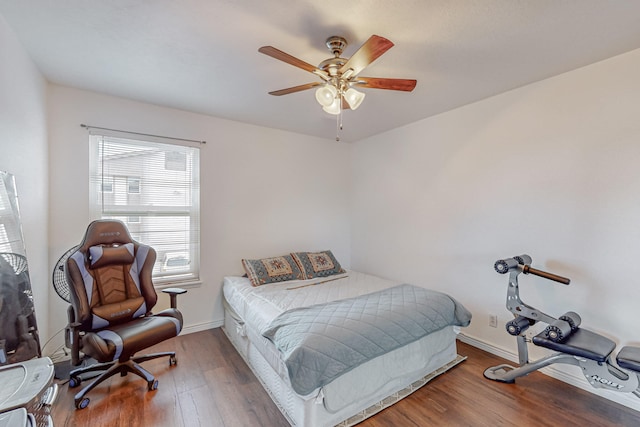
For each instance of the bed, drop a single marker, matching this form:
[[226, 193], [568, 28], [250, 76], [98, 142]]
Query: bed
[[349, 394]]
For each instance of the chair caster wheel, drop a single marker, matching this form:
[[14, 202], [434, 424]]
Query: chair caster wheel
[[83, 403], [153, 385], [173, 361], [74, 382]]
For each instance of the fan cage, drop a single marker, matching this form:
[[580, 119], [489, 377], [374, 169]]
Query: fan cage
[[59, 277]]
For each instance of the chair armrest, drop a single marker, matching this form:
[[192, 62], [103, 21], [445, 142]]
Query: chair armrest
[[72, 336], [173, 294]]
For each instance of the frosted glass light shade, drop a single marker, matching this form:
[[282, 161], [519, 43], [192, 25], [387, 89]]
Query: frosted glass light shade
[[353, 98], [334, 108], [326, 95]]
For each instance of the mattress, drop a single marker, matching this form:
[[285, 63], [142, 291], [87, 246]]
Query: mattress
[[249, 310]]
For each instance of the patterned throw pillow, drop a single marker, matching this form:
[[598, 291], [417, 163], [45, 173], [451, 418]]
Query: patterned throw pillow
[[270, 270], [317, 264]]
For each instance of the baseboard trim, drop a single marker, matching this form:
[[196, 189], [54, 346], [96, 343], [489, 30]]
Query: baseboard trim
[[189, 329], [626, 399]]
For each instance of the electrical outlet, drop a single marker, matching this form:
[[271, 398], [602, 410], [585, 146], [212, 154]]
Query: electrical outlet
[[493, 320]]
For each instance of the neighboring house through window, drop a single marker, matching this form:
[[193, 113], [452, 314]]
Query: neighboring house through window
[[133, 185], [107, 184], [154, 188]]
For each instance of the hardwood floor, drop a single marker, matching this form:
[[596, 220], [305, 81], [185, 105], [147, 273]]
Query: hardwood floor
[[212, 386]]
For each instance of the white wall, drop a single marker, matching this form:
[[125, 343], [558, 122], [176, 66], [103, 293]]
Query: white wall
[[550, 169], [263, 192], [23, 152]]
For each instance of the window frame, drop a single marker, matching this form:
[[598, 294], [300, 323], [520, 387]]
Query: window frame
[[189, 212]]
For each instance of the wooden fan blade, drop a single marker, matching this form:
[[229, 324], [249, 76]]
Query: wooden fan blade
[[382, 83], [368, 52], [294, 89], [285, 57]]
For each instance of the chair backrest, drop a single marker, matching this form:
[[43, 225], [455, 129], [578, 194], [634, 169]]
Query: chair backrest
[[109, 276]]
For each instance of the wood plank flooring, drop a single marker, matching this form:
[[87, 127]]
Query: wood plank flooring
[[212, 386]]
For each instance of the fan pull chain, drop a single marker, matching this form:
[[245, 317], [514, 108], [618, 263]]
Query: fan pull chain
[[338, 128], [339, 120]]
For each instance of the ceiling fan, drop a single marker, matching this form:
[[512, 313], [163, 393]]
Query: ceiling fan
[[340, 75]]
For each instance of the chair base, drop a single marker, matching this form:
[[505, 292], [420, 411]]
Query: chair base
[[111, 368], [63, 368]]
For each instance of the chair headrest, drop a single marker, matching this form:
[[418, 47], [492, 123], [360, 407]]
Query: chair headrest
[[105, 233], [100, 256]]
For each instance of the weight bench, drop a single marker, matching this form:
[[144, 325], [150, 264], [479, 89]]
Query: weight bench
[[572, 344], [581, 343]]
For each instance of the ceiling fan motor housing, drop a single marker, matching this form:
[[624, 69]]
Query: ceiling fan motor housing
[[336, 45], [332, 65]]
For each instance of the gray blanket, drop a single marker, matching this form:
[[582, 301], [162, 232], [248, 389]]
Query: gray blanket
[[321, 342]]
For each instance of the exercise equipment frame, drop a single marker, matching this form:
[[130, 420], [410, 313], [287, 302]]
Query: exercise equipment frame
[[572, 344]]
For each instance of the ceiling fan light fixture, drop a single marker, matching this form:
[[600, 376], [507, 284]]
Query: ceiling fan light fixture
[[353, 98], [338, 74], [326, 95], [334, 107]]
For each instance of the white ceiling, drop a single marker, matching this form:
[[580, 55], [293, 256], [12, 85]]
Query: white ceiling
[[202, 55]]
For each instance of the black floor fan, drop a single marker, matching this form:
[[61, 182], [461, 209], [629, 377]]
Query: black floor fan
[[61, 287], [59, 278]]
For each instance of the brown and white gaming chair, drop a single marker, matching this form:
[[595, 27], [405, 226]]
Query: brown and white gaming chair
[[110, 317]]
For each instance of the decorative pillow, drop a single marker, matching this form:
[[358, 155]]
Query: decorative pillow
[[317, 264], [270, 270], [100, 256]]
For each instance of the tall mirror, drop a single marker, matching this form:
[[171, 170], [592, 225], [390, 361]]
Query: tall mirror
[[18, 329]]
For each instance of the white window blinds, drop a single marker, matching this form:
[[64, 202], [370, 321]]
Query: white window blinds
[[154, 188]]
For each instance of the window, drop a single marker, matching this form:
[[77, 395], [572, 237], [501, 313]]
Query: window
[[133, 185], [153, 187], [107, 185]]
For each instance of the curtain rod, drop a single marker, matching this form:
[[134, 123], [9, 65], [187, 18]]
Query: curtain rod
[[144, 134]]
